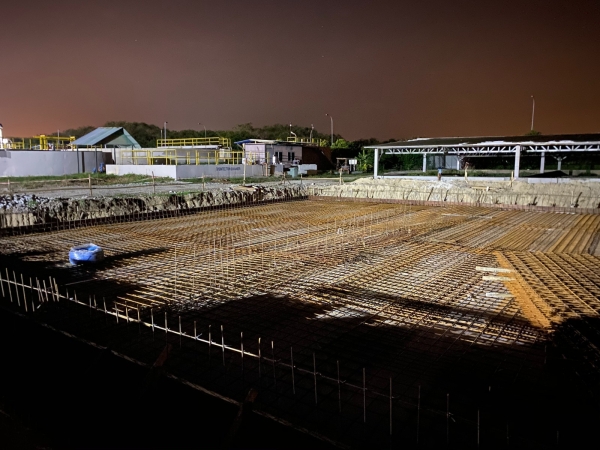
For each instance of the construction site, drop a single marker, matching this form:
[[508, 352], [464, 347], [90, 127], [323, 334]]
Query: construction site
[[354, 322]]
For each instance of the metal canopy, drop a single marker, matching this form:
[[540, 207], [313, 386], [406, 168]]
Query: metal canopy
[[117, 136], [490, 145]]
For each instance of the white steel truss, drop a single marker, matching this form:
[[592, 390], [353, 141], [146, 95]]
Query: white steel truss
[[479, 149]]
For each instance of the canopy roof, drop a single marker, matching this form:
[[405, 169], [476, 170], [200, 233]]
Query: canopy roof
[[107, 136], [495, 144]]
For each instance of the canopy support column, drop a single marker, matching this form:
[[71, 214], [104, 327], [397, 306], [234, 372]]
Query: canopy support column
[[424, 162], [543, 162], [376, 163], [517, 161]]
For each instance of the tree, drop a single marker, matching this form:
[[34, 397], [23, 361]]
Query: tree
[[365, 160], [77, 132], [340, 143]]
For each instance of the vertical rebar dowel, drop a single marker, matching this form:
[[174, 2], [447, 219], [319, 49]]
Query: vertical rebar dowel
[[293, 380], [242, 348], [56, 290], [138, 319], [24, 296], [223, 344], [8, 285], [195, 334], [391, 406], [2, 284], [45, 290], [418, 412], [315, 375], [273, 359], [31, 291], [90, 304], [17, 290], [447, 419], [166, 329], [194, 274], [259, 359], [151, 317], [127, 313], [180, 331], [117, 313], [364, 396]]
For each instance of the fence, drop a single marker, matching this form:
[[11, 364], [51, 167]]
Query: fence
[[178, 156]]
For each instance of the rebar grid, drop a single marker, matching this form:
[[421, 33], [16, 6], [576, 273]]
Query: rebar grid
[[393, 288]]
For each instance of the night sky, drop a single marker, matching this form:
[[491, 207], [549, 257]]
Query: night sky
[[384, 69]]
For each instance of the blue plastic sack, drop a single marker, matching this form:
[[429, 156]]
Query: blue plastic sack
[[86, 253]]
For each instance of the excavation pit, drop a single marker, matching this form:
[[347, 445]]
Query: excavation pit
[[366, 298]]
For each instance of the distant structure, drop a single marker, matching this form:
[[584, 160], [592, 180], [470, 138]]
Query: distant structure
[[1, 138], [441, 150], [286, 154], [106, 137]]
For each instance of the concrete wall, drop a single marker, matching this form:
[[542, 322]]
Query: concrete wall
[[188, 171], [264, 152], [23, 163], [158, 170]]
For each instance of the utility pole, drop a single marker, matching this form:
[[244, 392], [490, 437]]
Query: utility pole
[[331, 127], [532, 111], [165, 133]]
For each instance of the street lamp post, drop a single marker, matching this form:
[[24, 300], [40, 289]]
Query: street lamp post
[[165, 132], [200, 123], [532, 111], [331, 127], [312, 127]]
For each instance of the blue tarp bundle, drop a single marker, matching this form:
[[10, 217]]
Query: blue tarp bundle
[[86, 253]]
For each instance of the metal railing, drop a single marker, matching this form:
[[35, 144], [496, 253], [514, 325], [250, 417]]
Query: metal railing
[[176, 157], [194, 142], [303, 140], [14, 145], [54, 142]]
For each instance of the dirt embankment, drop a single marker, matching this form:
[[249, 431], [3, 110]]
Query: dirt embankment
[[28, 210], [573, 194]]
